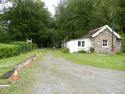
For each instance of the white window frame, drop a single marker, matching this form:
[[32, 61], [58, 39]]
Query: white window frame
[[106, 43]]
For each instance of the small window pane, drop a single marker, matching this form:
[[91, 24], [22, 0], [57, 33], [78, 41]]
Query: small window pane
[[83, 43], [105, 43], [79, 43]]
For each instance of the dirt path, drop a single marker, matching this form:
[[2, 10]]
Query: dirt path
[[58, 76]]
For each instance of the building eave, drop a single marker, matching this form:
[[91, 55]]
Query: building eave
[[106, 27]]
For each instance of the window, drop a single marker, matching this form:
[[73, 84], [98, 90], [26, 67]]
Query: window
[[83, 43], [79, 43], [105, 43]]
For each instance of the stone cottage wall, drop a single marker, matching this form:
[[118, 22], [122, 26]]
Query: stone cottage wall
[[105, 35]]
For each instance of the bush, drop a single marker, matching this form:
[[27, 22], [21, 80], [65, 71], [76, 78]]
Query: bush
[[9, 50], [123, 49], [24, 46], [92, 50], [65, 50], [119, 53], [123, 43], [14, 49], [82, 51]]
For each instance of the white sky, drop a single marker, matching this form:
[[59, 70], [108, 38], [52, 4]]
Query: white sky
[[5, 5], [51, 4]]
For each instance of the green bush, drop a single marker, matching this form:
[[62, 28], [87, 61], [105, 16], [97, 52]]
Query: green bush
[[92, 49], [123, 43], [119, 53], [65, 50], [82, 51], [123, 47], [24, 46], [9, 50], [14, 49]]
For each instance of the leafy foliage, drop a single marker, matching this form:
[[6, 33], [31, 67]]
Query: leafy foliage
[[28, 19], [73, 19], [76, 17], [82, 51], [65, 50], [25, 46], [14, 49], [92, 49], [8, 51]]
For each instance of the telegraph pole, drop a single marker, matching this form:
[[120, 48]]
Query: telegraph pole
[[113, 28]]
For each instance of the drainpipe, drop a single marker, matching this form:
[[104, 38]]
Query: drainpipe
[[112, 36], [113, 28]]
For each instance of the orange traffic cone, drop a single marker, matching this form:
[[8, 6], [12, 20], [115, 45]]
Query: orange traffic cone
[[15, 76]]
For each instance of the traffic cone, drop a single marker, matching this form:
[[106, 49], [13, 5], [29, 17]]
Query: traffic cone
[[15, 76]]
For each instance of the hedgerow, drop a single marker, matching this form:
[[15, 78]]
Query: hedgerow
[[14, 49]]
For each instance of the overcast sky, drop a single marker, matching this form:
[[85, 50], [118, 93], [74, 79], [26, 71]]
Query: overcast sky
[[51, 4]]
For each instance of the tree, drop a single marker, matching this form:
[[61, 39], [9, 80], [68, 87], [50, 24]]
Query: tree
[[121, 15], [28, 19], [72, 16], [76, 17]]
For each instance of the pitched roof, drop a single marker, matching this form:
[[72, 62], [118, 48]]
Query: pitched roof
[[97, 31], [90, 33]]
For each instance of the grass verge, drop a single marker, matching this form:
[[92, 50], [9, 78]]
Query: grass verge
[[7, 64], [26, 76], [116, 62]]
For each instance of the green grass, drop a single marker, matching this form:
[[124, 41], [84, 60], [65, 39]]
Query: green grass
[[116, 62], [26, 75], [7, 64], [26, 78]]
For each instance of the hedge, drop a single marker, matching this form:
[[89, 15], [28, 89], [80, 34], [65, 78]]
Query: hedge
[[9, 50], [25, 47], [14, 49]]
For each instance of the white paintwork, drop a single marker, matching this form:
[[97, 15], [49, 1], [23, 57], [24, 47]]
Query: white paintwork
[[73, 45], [117, 35], [4, 85], [103, 28]]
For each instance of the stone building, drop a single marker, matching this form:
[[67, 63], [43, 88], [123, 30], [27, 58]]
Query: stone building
[[103, 40]]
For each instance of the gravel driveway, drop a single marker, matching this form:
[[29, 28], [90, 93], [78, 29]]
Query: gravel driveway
[[59, 76]]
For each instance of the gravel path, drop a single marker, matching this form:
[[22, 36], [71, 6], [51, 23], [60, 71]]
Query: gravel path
[[59, 76]]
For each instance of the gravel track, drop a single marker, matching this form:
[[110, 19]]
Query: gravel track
[[59, 76]]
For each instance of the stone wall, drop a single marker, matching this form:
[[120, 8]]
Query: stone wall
[[105, 35]]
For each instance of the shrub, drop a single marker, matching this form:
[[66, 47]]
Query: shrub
[[14, 49], [123, 49], [9, 50], [119, 53], [92, 49], [24, 46], [82, 51], [123, 43], [65, 50]]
